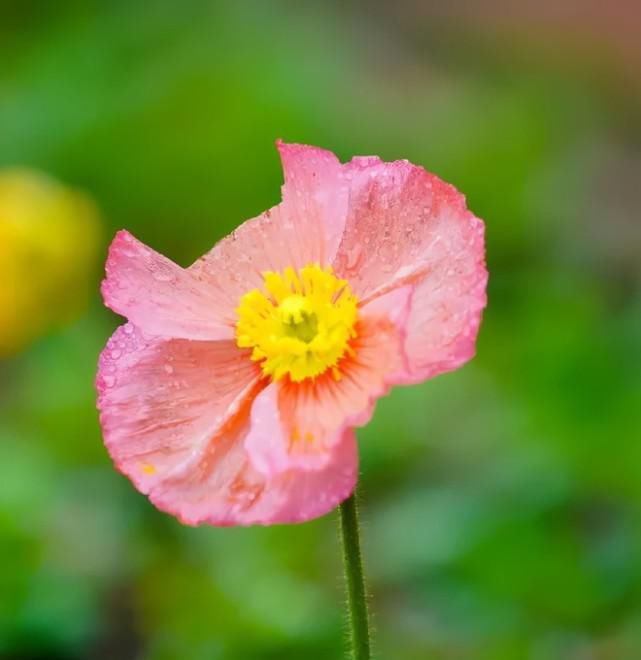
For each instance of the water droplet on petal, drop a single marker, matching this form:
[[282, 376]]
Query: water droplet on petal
[[163, 276], [353, 256]]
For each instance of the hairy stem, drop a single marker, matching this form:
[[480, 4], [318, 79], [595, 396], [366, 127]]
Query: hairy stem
[[354, 580]]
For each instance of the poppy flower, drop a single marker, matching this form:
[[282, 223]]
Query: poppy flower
[[231, 395]]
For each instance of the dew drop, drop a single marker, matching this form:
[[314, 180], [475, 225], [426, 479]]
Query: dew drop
[[162, 276], [353, 256]]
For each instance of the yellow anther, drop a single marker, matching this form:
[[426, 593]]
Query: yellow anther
[[301, 325]]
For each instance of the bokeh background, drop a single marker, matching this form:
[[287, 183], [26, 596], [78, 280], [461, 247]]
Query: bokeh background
[[502, 503]]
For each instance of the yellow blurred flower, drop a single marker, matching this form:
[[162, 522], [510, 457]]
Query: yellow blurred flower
[[49, 241]]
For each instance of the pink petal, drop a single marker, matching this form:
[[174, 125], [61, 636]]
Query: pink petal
[[444, 320], [395, 306], [305, 228], [221, 487], [174, 416], [316, 194], [161, 400], [307, 495], [297, 425], [159, 296], [407, 227]]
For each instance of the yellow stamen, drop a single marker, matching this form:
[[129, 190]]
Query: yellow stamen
[[301, 325]]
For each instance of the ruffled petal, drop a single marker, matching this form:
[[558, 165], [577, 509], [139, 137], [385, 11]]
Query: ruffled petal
[[305, 495], [305, 228], [175, 414], [316, 196], [407, 227], [297, 425], [159, 296], [161, 400], [221, 487], [444, 320]]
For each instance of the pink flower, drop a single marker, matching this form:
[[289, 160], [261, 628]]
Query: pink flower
[[231, 394]]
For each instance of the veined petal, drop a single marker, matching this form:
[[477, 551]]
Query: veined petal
[[407, 227], [159, 296], [305, 495], [305, 228], [316, 195], [175, 414], [444, 320], [221, 487], [160, 400]]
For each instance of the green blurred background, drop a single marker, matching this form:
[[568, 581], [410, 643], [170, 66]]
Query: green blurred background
[[502, 503]]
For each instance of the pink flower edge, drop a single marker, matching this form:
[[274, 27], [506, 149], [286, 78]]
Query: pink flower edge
[[187, 416]]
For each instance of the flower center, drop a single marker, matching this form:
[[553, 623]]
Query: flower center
[[301, 325]]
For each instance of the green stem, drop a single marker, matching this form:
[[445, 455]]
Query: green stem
[[354, 580]]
